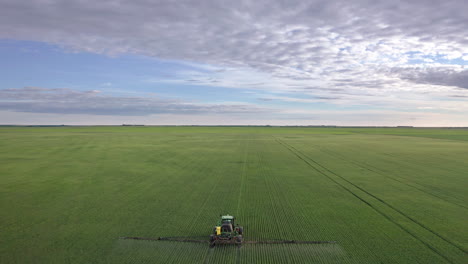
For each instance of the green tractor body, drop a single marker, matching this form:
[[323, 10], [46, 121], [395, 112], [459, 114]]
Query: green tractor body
[[226, 231]]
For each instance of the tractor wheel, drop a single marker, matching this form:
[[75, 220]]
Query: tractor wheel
[[241, 230]]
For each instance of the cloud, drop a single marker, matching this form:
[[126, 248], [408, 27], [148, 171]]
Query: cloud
[[347, 53], [290, 39], [68, 101], [297, 100], [445, 76]]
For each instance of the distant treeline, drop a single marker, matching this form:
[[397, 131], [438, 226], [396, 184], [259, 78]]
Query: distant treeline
[[305, 126], [33, 125]]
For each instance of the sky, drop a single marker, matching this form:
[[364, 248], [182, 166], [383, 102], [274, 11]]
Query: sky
[[244, 62]]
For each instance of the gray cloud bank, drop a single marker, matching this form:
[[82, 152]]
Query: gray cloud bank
[[438, 76], [68, 101], [292, 39]]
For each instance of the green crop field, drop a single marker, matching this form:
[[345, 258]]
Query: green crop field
[[386, 195]]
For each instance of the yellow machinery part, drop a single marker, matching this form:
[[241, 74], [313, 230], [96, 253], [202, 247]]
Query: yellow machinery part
[[218, 230]]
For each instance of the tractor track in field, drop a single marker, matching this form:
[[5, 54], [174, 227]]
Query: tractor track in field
[[305, 158], [244, 169], [238, 254], [219, 178], [375, 170], [384, 202], [410, 165], [272, 201], [404, 164], [419, 162], [286, 196]]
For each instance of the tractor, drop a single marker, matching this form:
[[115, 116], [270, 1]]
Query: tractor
[[226, 231]]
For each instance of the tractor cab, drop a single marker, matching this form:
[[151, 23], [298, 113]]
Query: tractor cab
[[227, 219], [227, 224], [226, 228]]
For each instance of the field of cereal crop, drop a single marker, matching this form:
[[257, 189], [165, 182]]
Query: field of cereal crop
[[386, 195]]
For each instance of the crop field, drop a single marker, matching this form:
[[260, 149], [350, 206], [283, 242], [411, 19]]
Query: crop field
[[386, 195]]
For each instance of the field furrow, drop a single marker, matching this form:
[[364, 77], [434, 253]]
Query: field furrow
[[417, 230]]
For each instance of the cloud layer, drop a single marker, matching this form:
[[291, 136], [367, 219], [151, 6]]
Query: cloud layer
[[68, 101], [395, 54], [268, 35]]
